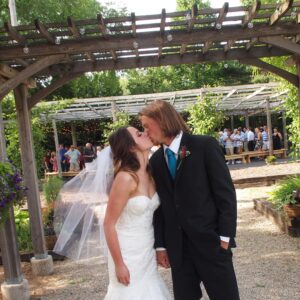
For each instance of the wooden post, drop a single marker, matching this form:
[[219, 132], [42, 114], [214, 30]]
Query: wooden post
[[73, 132], [8, 237], [56, 146], [284, 131], [298, 72], [29, 172], [269, 125], [114, 110], [232, 122], [247, 120]]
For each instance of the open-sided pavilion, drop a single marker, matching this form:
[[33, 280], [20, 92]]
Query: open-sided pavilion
[[65, 50]]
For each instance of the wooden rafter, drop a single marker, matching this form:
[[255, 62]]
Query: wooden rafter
[[280, 11], [229, 45], [133, 24], [162, 31], [14, 34], [44, 31], [251, 14], [192, 21], [222, 15], [250, 96], [102, 25], [252, 42], [206, 47], [73, 28], [282, 43]]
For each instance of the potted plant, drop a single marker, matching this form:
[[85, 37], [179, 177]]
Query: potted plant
[[270, 160], [11, 189], [51, 191], [286, 196]]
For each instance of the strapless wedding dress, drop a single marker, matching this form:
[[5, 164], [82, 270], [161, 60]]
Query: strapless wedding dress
[[136, 238]]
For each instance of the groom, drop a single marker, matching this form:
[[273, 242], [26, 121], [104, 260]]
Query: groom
[[195, 225]]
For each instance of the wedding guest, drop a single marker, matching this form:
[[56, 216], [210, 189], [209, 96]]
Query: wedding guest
[[73, 154], [277, 139]]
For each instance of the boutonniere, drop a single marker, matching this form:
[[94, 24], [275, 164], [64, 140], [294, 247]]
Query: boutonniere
[[183, 153]]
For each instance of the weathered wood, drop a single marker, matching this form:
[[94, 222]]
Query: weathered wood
[[102, 25], [269, 125], [298, 73], [73, 133], [44, 31], [284, 131], [72, 27], [28, 72], [150, 40], [292, 78], [280, 11], [252, 42], [251, 14], [222, 15], [163, 21], [229, 45], [133, 24], [56, 147], [193, 18], [282, 43], [173, 59], [30, 174], [206, 47], [14, 34]]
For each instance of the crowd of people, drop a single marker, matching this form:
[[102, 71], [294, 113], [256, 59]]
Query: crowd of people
[[71, 158], [246, 139]]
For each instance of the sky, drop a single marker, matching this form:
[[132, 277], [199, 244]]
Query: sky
[[142, 7]]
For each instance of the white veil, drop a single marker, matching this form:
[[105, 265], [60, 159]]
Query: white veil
[[80, 209]]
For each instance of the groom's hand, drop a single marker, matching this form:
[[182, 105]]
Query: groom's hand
[[162, 258], [224, 245]]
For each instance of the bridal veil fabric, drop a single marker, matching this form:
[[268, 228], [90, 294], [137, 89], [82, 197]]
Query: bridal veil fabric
[[80, 210]]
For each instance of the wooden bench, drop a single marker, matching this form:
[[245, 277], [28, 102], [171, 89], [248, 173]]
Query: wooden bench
[[63, 174], [246, 156], [236, 156]]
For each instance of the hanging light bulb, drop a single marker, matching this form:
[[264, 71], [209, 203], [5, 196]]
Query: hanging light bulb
[[57, 40], [218, 26], [169, 37], [135, 45], [250, 25], [82, 31], [188, 16], [26, 50]]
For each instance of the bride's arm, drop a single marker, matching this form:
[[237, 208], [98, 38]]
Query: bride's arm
[[121, 190]]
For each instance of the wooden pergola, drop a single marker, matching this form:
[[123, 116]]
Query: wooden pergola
[[240, 100], [65, 50]]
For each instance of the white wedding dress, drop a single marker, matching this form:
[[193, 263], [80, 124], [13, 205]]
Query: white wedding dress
[[136, 238]]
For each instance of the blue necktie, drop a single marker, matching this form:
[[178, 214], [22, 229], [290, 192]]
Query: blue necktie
[[171, 162]]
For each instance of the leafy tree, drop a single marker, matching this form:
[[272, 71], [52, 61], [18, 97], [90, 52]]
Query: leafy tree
[[204, 117], [122, 119]]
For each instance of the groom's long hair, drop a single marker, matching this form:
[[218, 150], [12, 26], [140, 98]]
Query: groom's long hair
[[167, 118]]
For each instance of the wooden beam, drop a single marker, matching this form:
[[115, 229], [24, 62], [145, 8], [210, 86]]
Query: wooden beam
[[44, 31], [280, 11], [292, 78], [133, 24], [163, 21], [252, 42], [32, 69], [193, 19], [102, 25], [229, 45], [282, 43], [251, 14], [43, 93], [73, 28], [171, 59], [149, 40], [9, 73], [14, 34], [2, 80], [22, 62], [249, 96], [183, 49], [206, 47], [113, 55], [222, 15]]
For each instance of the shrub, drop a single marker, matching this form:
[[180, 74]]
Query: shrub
[[270, 159], [23, 230], [284, 193], [51, 189]]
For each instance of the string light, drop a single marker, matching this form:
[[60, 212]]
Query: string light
[[26, 50], [169, 37]]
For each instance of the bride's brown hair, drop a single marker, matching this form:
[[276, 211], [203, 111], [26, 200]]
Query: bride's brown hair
[[124, 157]]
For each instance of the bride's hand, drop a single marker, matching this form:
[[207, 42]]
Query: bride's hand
[[123, 274]]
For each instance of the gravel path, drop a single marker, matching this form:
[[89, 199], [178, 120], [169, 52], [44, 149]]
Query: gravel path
[[267, 261]]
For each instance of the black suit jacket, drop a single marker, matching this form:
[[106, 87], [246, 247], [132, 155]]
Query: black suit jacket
[[199, 204]]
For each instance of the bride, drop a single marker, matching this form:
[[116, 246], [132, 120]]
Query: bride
[[132, 266]]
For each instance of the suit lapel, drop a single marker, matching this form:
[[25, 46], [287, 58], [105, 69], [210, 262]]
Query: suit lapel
[[180, 162]]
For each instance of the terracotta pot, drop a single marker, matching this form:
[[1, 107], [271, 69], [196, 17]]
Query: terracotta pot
[[292, 210], [50, 241]]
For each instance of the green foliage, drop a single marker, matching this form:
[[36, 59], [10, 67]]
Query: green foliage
[[284, 193], [123, 119], [51, 189], [204, 117], [23, 230], [270, 159]]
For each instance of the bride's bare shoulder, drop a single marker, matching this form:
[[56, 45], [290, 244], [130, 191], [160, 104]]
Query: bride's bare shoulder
[[125, 180]]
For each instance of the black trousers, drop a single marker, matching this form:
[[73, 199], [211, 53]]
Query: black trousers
[[217, 276]]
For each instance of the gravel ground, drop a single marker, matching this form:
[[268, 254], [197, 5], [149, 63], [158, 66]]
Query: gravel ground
[[267, 262]]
